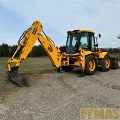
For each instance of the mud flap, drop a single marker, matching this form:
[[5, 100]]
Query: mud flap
[[14, 76], [114, 63]]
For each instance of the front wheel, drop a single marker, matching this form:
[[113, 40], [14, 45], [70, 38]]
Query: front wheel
[[90, 64], [105, 63]]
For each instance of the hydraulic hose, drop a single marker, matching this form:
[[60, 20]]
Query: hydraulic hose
[[23, 34]]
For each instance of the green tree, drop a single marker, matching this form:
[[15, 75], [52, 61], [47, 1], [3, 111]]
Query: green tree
[[4, 50], [37, 51]]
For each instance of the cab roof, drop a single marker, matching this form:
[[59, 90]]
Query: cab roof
[[79, 31]]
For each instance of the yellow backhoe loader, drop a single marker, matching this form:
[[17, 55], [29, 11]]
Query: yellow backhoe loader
[[81, 52]]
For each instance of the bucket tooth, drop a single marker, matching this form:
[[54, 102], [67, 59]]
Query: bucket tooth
[[14, 76]]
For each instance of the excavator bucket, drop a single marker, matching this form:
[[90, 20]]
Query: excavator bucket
[[14, 76], [114, 63]]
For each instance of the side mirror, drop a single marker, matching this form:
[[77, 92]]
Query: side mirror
[[118, 36], [99, 35], [96, 45]]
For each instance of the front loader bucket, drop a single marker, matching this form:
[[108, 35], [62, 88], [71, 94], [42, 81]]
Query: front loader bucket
[[114, 63], [14, 76]]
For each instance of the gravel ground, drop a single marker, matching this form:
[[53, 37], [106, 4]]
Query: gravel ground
[[59, 96]]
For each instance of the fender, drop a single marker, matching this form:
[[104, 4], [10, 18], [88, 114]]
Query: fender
[[102, 54], [88, 53]]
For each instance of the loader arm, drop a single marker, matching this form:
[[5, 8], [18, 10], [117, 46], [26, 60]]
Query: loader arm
[[25, 45]]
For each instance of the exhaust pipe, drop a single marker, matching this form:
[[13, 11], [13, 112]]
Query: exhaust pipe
[[14, 76]]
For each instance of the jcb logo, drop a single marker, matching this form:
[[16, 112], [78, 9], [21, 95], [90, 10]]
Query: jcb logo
[[50, 48], [99, 113], [34, 31]]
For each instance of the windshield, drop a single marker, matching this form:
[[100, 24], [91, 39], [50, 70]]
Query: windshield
[[72, 43]]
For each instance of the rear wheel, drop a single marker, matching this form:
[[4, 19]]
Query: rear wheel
[[90, 64], [105, 63], [67, 68]]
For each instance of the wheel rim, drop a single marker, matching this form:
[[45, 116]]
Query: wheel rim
[[91, 65], [107, 63]]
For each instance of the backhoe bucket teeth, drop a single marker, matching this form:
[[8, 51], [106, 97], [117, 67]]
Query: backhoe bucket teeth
[[114, 63], [14, 76]]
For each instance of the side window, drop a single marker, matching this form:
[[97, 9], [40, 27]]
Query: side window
[[84, 40]]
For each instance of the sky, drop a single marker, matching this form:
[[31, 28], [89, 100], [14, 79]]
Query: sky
[[60, 16]]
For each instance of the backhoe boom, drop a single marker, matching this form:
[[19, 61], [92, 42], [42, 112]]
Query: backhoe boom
[[25, 45]]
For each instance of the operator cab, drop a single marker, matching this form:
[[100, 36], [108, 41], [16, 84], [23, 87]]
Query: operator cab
[[80, 38]]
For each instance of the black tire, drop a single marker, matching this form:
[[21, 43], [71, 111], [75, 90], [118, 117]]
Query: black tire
[[67, 68], [105, 63], [114, 63], [90, 64]]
